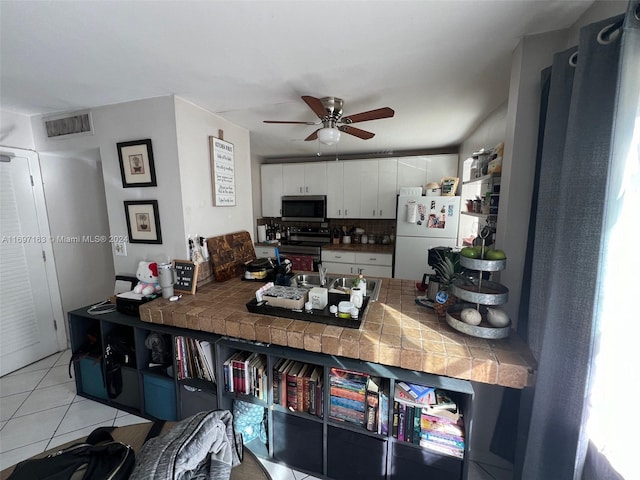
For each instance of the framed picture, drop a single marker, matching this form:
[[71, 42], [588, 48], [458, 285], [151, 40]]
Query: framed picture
[[136, 164], [223, 176], [143, 221]]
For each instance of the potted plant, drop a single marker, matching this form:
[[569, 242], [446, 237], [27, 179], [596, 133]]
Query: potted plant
[[448, 269]]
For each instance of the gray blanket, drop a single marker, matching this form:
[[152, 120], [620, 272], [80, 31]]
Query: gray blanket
[[203, 446]]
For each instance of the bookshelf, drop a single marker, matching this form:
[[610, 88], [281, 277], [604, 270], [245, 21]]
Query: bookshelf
[[304, 434]]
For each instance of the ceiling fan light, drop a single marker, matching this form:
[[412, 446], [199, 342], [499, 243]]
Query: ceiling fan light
[[328, 136]]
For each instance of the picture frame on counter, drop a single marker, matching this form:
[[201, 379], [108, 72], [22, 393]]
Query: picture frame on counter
[[448, 186], [143, 221], [186, 276], [136, 164]]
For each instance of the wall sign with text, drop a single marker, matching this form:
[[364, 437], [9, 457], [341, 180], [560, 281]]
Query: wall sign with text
[[223, 179]]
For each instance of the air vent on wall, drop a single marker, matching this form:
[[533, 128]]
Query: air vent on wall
[[69, 124]]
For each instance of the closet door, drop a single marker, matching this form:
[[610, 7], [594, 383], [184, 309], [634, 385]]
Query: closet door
[[28, 287]]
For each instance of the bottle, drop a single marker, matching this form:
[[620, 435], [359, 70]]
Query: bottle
[[278, 232], [361, 282]]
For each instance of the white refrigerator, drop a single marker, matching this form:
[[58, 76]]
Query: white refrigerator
[[423, 222]]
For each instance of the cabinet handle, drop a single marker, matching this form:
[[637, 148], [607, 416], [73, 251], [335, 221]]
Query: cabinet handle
[[338, 256], [380, 212], [373, 259], [339, 210], [374, 213], [307, 189], [300, 189], [345, 211]]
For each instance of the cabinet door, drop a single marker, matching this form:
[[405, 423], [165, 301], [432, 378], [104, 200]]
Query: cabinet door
[[339, 268], [335, 189], [271, 182], [351, 189], [265, 252], [368, 188], [293, 179], [374, 271], [387, 187], [439, 166], [315, 178], [340, 256], [412, 171], [366, 258]]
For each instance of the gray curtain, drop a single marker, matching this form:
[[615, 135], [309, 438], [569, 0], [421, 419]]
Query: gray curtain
[[587, 133]]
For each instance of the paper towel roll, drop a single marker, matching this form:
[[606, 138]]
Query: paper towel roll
[[262, 233], [412, 212]]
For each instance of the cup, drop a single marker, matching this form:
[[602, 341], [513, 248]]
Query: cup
[[357, 297], [346, 239], [167, 277]]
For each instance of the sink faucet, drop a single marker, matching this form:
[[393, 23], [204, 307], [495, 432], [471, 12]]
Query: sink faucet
[[323, 275]]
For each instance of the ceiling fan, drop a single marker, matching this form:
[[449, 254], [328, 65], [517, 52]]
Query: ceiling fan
[[329, 111]]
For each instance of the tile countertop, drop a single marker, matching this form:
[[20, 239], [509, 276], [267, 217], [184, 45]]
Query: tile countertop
[[395, 331]]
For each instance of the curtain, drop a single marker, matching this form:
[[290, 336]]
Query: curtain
[[588, 177]]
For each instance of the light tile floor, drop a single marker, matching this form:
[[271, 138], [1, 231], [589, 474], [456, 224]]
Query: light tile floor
[[39, 410]]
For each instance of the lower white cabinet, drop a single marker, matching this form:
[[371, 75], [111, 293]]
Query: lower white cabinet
[[263, 251], [351, 263]]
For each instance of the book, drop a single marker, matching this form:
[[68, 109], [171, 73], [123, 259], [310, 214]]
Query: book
[[417, 431], [437, 424], [372, 403], [383, 414], [443, 438], [320, 395], [417, 393], [402, 409], [443, 449], [313, 383], [408, 423], [292, 386], [302, 394], [395, 419], [277, 378], [359, 396]]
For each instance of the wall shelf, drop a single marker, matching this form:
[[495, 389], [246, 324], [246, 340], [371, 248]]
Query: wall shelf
[[484, 178], [480, 215]]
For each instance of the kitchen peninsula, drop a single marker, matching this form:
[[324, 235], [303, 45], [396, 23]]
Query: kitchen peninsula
[[394, 332]]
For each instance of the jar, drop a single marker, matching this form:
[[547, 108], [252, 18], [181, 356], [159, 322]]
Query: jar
[[364, 238]]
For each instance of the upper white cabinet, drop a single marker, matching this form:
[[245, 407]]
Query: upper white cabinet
[[335, 189], [368, 189], [305, 178], [271, 182], [419, 170]]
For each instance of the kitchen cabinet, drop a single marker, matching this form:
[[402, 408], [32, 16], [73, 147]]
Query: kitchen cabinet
[[304, 178], [368, 189], [350, 263], [316, 441], [417, 171], [335, 189], [271, 182]]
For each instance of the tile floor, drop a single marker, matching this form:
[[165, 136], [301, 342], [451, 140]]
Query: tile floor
[[39, 410]]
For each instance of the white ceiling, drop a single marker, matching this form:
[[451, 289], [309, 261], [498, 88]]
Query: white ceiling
[[441, 65]]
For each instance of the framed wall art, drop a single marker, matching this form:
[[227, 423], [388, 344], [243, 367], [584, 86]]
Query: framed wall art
[[223, 177], [143, 221], [136, 164]]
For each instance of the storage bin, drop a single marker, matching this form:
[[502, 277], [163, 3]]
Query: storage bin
[[160, 397], [91, 378], [194, 400], [130, 395]]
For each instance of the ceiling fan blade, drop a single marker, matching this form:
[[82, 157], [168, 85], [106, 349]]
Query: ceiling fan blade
[[292, 122], [356, 132], [316, 105], [376, 114], [313, 136]]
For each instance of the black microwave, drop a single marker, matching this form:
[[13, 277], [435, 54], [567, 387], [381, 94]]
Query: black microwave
[[309, 208]]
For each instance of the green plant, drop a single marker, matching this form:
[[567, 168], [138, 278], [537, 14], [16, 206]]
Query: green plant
[[448, 268]]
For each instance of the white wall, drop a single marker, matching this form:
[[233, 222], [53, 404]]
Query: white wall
[[15, 130], [150, 118], [194, 125]]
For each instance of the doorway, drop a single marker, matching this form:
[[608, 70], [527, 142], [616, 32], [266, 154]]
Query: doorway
[[31, 317]]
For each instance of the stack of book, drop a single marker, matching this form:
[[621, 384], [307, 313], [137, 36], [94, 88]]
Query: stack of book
[[194, 359], [298, 386], [377, 406], [428, 417], [246, 373], [347, 396]]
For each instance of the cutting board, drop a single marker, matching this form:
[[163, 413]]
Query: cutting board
[[229, 253]]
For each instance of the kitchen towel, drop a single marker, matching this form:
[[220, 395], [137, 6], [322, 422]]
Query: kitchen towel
[[412, 212]]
